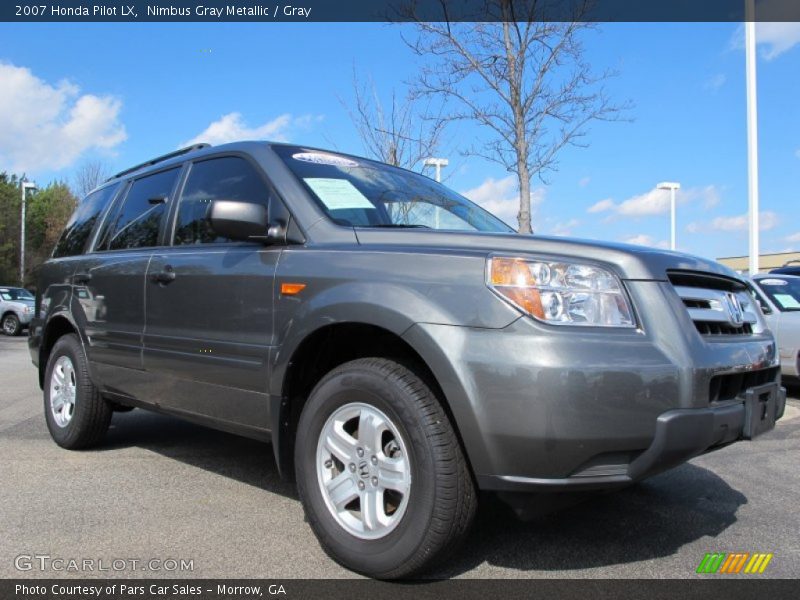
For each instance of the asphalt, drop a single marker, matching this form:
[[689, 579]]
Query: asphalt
[[162, 489]]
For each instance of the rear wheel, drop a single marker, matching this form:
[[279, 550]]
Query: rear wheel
[[380, 471], [11, 324], [77, 416]]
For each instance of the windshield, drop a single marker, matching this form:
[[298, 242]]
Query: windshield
[[15, 294], [783, 291], [362, 193]]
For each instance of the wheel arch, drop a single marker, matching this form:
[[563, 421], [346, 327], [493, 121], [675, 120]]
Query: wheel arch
[[59, 325], [320, 351]]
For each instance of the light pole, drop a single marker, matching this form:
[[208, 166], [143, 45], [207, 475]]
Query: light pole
[[25, 185], [672, 187], [438, 163], [752, 132]]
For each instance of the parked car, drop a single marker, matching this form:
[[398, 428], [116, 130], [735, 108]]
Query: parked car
[[16, 309], [400, 347], [779, 297], [789, 269]]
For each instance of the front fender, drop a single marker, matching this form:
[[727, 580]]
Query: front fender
[[379, 306]]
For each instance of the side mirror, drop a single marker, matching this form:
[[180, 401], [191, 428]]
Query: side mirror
[[239, 220]]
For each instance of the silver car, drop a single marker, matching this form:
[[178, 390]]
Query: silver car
[[779, 297], [16, 308]]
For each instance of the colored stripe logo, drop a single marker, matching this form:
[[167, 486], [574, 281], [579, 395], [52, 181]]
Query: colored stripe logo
[[734, 562]]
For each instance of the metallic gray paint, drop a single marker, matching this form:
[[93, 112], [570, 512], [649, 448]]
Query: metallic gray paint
[[531, 402]]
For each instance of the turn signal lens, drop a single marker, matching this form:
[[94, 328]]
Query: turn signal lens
[[561, 293], [513, 279], [292, 289]]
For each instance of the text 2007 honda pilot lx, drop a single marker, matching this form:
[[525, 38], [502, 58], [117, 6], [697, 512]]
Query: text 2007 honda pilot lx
[[400, 347]]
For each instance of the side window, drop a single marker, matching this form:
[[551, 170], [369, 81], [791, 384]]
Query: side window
[[228, 178], [760, 300], [76, 233], [137, 222]]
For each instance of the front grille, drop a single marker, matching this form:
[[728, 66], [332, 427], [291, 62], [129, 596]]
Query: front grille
[[713, 328], [733, 385], [718, 306]]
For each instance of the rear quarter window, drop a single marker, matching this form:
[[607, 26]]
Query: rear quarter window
[[79, 227], [137, 222]]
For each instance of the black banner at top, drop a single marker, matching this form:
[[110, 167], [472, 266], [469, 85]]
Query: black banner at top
[[396, 10]]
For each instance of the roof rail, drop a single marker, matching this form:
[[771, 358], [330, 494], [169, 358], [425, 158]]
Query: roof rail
[[159, 159]]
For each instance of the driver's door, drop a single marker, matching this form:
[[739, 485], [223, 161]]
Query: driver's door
[[209, 302]]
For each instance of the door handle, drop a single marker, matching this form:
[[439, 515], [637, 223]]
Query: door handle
[[165, 276], [82, 278]]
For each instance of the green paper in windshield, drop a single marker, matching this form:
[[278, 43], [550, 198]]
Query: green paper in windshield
[[338, 194], [787, 301]]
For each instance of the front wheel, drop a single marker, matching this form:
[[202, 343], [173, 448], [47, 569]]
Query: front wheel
[[380, 471], [11, 324]]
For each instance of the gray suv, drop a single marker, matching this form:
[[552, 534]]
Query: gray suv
[[400, 347], [16, 309]]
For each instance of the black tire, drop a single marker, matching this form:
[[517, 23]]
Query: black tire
[[11, 324], [442, 498], [91, 414]]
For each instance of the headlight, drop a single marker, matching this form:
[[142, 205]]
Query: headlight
[[561, 293]]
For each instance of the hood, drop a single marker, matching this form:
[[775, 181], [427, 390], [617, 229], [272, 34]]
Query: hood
[[628, 260], [20, 303]]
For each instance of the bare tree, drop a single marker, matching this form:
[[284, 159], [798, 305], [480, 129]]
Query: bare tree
[[402, 134], [89, 175], [523, 78]]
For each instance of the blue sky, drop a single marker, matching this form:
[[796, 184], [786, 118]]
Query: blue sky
[[127, 92]]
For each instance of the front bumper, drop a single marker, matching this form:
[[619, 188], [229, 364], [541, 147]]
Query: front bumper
[[681, 434], [540, 407]]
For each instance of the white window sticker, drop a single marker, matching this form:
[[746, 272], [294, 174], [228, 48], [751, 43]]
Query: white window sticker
[[787, 301], [772, 282], [338, 194], [325, 159]]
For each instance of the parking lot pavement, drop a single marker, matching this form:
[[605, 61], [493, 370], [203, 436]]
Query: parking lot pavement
[[162, 489]]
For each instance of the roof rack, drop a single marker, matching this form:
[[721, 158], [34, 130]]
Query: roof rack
[[159, 159]]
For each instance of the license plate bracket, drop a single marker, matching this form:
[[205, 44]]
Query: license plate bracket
[[761, 409]]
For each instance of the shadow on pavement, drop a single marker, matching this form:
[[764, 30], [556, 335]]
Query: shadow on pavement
[[245, 460], [648, 520]]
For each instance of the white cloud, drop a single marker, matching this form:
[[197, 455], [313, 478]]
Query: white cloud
[[653, 202], [774, 38], [601, 206], [564, 228], [794, 238], [584, 181], [715, 82], [501, 198], [767, 220], [777, 38], [656, 202], [232, 127], [641, 239], [44, 126]]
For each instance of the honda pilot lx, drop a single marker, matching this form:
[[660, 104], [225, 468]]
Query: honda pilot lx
[[400, 347]]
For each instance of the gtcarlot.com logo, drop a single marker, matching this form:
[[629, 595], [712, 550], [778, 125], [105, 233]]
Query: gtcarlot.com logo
[[45, 562], [734, 562]]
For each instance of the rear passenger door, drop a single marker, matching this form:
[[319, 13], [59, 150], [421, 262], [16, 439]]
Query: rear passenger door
[[109, 282], [209, 326]]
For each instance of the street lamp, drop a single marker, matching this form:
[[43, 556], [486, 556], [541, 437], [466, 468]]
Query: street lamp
[[25, 185], [438, 163], [752, 134], [671, 186]]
